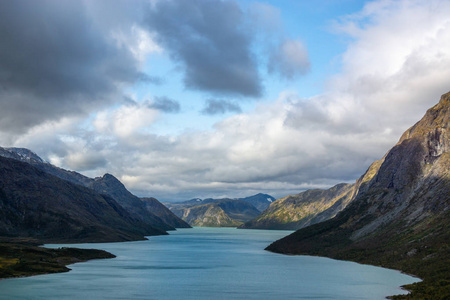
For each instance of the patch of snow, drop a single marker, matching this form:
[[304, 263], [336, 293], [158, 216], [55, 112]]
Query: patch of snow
[[270, 200]]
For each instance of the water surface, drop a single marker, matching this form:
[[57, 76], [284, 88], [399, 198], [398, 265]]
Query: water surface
[[208, 263]]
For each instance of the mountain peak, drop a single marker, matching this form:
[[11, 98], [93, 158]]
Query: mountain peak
[[108, 176], [435, 121], [22, 154]]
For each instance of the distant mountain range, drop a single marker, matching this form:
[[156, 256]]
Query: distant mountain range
[[399, 217], [220, 212], [298, 211], [312, 206], [43, 201]]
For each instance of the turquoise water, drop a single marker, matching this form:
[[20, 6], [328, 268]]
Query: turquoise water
[[208, 263]]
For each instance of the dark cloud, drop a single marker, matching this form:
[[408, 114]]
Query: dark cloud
[[166, 105], [215, 107], [55, 60], [209, 39], [85, 161]]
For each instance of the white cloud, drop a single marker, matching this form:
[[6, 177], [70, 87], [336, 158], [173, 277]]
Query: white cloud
[[125, 120], [139, 42], [393, 70]]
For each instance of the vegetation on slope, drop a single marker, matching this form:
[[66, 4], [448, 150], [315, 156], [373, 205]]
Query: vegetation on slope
[[297, 211]]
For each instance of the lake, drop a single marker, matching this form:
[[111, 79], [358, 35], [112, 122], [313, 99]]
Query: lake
[[208, 263]]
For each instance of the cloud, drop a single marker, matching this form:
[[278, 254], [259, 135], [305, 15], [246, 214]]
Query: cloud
[[209, 40], [166, 105], [396, 66], [265, 16], [57, 59], [290, 59], [393, 70], [215, 106], [125, 120]]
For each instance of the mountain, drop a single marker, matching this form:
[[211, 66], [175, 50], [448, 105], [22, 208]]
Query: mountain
[[28, 156], [221, 213], [298, 211], [400, 215], [158, 209], [21, 154], [111, 186], [36, 204], [107, 184], [310, 207], [260, 201]]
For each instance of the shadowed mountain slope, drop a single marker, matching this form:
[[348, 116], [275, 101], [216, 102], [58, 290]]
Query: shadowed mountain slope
[[36, 204], [260, 201], [111, 186], [158, 209], [107, 184]]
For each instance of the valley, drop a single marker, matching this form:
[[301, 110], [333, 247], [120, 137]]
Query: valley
[[395, 215]]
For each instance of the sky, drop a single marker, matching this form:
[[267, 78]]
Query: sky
[[208, 98]]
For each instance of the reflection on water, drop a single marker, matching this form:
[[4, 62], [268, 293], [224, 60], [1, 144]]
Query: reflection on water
[[208, 263]]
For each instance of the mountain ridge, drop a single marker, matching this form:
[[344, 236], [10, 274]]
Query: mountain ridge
[[39, 205], [297, 211], [106, 184], [223, 212]]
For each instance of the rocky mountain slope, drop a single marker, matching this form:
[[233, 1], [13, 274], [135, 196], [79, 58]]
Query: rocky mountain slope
[[36, 204], [107, 184], [219, 212], [312, 206], [400, 215], [111, 186], [298, 211]]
